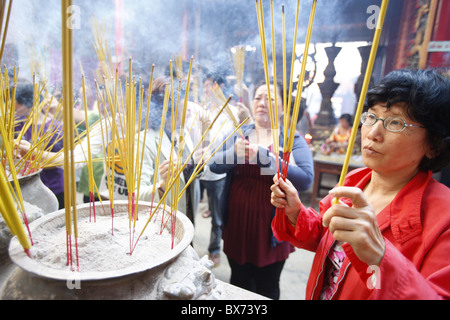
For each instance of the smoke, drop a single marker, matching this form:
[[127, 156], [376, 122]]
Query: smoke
[[155, 31]]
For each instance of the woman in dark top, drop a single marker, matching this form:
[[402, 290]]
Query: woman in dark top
[[255, 257]]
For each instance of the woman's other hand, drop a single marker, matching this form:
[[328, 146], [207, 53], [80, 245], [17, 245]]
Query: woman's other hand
[[356, 225], [21, 149], [163, 172], [245, 150]]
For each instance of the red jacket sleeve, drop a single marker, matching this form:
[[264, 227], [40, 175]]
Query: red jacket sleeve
[[307, 232], [397, 278]]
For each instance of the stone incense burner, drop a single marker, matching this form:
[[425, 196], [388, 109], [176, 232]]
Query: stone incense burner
[[177, 273]]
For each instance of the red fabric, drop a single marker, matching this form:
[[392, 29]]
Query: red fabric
[[247, 234], [415, 226]]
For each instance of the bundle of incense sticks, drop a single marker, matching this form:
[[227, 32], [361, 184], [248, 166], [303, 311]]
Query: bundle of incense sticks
[[219, 99], [37, 61], [273, 110], [45, 134], [173, 181], [121, 133], [179, 66], [181, 145], [130, 153], [41, 142], [289, 123], [112, 116], [297, 101], [102, 49], [7, 111], [9, 213], [8, 167], [238, 54]]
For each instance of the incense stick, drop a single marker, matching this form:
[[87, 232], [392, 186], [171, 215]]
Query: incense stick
[[287, 108], [365, 86], [289, 127], [275, 129], [301, 78], [5, 31], [150, 88], [69, 176], [273, 110], [89, 162]]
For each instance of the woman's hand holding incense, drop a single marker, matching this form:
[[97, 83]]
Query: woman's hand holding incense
[[163, 172], [285, 196], [201, 155], [356, 225], [245, 150], [243, 112]]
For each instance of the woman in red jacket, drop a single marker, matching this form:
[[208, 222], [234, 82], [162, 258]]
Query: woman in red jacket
[[389, 237]]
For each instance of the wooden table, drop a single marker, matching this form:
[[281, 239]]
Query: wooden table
[[331, 164]]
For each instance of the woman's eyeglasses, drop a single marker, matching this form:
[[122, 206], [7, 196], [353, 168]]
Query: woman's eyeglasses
[[391, 124]]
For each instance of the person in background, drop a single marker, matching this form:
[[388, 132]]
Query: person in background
[[212, 182], [53, 105], [338, 140], [255, 257], [389, 235]]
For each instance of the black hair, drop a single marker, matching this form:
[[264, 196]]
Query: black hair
[[24, 94], [425, 95], [348, 117], [216, 76], [157, 99], [279, 88]]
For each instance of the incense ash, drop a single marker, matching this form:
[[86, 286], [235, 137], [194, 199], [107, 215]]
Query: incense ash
[[99, 248]]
